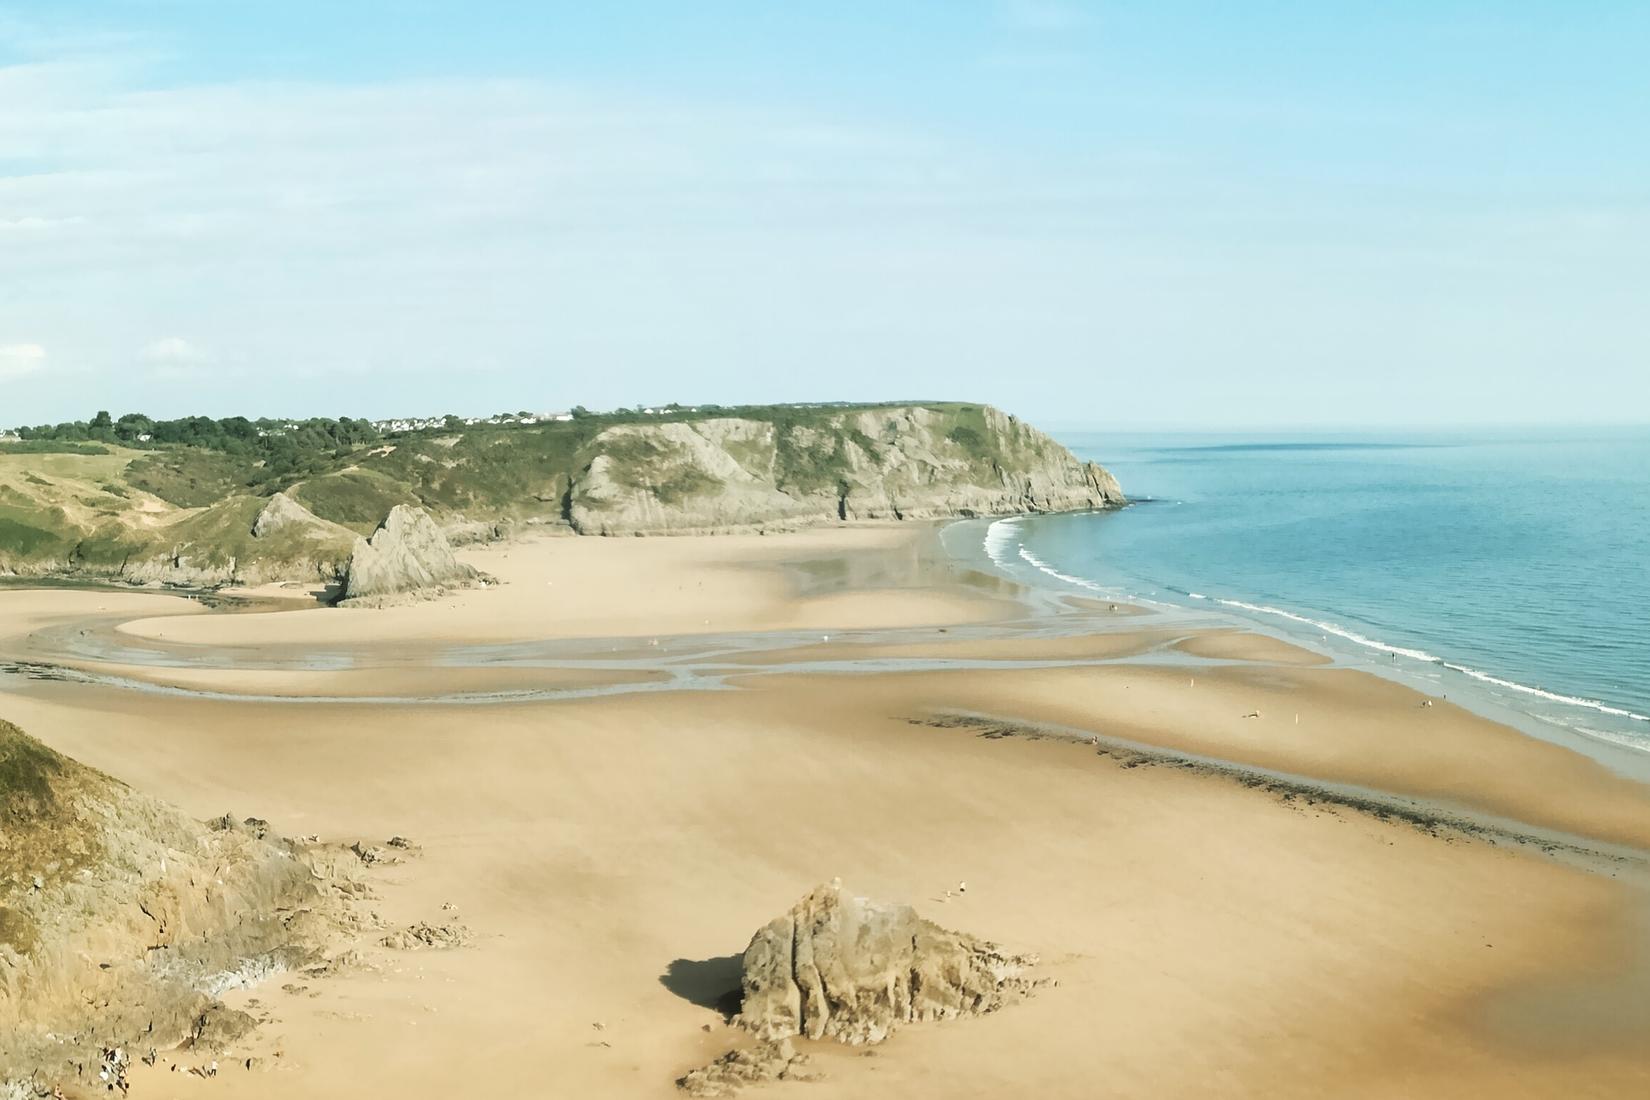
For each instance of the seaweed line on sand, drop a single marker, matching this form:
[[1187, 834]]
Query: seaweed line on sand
[[1299, 792]]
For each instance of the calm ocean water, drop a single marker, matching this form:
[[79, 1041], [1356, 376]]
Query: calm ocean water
[[1508, 567]]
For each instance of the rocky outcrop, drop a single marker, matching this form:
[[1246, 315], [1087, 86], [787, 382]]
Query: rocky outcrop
[[407, 558], [846, 968], [122, 921], [914, 462], [283, 513], [768, 1060], [852, 970]]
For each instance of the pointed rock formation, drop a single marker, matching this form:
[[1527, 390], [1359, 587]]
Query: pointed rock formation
[[282, 512], [407, 558]]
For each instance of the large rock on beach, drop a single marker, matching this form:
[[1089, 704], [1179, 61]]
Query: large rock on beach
[[850, 969], [853, 970], [408, 557]]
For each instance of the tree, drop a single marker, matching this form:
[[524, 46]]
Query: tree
[[579, 412], [132, 427]]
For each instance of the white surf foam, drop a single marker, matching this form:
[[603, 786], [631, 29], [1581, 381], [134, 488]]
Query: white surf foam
[[999, 540], [1335, 629], [1038, 563], [1002, 542], [1422, 655], [1551, 696]]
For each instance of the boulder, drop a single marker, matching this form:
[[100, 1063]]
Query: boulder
[[853, 970], [850, 969], [407, 557]]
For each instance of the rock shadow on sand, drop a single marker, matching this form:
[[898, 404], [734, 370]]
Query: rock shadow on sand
[[708, 983]]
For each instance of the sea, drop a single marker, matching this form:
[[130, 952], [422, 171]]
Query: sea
[[1507, 569]]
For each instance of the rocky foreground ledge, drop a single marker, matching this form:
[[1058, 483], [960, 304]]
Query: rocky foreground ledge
[[122, 921], [849, 969]]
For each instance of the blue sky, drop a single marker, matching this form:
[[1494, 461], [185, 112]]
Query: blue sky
[[1198, 214]]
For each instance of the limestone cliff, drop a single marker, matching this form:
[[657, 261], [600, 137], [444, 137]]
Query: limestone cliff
[[909, 462], [191, 516]]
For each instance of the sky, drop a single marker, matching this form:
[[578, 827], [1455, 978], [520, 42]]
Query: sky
[[1204, 215]]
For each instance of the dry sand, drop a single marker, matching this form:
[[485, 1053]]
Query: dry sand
[[1211, 939], [623, 587]]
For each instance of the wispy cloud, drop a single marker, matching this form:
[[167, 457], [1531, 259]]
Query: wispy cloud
[[174, 358], [16, 360], [397, 244], [429, 225]]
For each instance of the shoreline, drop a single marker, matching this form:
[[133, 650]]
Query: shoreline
[[445, 662], [1627, 753], [921, 558], [1216, 899]]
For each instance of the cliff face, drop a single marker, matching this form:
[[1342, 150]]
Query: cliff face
[[909, 462], [194, 517]]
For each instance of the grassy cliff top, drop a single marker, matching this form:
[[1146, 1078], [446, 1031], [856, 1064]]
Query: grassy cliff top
[[54, 493], [119, 503]]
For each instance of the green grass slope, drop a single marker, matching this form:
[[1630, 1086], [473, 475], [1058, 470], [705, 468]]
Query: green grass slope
[[183, 514]]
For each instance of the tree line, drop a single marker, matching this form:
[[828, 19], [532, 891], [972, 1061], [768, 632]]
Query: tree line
[[232, 434], [282, 448]]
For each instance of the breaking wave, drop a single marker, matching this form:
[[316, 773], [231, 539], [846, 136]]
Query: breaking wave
[[1422, 655], [1003, 546]]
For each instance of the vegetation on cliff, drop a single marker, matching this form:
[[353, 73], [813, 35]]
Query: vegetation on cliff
[[176, 501]]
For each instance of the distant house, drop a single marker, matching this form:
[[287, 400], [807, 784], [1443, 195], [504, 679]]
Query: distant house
[[10, 437]]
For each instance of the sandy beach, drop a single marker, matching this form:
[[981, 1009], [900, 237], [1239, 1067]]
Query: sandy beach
[[1230, 904]]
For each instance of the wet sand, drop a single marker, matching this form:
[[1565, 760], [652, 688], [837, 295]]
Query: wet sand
[[612, 853]]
